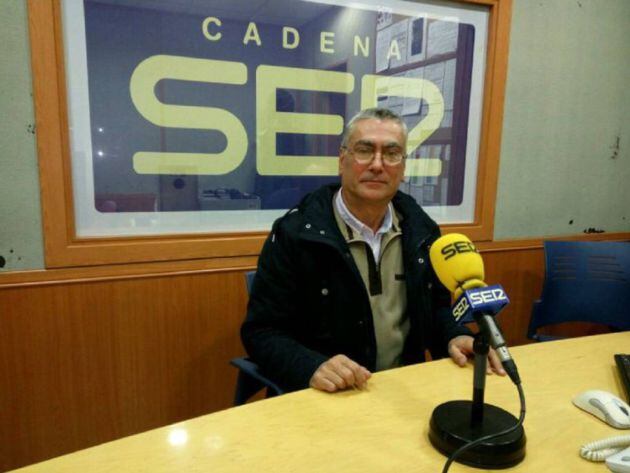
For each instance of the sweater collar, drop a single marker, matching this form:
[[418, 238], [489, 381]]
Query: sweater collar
[[357, 225], [319, 218]]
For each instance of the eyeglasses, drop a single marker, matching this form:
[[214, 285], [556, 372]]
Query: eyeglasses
[[366, 154]]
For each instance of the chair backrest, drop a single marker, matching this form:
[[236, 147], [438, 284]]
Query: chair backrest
[[584, 282], [250, 379], [249, 280]]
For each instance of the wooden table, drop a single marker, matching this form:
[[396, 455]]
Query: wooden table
[[382, 429]]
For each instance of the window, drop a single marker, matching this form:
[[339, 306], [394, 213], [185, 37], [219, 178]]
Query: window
[[182, 129]]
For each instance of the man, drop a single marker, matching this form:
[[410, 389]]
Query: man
[[344, 284]]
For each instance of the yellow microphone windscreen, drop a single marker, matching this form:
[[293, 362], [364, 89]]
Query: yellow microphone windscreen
[[457, 262]]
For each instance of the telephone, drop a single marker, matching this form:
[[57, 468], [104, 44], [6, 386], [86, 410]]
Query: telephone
[[610, 450], [615, 451]]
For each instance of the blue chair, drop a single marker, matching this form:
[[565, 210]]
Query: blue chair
[[250, 379], [584, 282]]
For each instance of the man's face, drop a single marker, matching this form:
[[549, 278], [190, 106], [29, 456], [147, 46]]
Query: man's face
[[374, 182]]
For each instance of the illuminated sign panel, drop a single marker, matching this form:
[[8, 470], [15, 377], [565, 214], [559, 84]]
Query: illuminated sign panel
[[216, 116]]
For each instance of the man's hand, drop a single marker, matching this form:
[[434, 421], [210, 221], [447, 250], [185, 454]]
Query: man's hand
[[460, 348], [339, 372]]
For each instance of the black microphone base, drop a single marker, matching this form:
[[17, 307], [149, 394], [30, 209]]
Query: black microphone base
[[451, 428]]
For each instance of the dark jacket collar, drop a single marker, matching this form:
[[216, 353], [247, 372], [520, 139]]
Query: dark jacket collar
[[318, 216]]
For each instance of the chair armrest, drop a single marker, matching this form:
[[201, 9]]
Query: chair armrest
[[539, 337], [248, 367]]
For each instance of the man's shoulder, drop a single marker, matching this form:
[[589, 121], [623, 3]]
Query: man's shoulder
[[290, 222], [314, 207]]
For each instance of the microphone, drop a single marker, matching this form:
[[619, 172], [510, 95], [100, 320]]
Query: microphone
[[459, 267], [474, 432]]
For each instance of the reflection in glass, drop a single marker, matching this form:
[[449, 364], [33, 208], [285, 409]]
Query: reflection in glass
[[241, 109]]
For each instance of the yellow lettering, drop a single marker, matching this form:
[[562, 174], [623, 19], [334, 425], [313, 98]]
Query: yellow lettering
[[142, 85], [326, 42], [365, 48], [373, 87], [286, 30], [206, 31], [394, 50], [251, 34], [270, 122]]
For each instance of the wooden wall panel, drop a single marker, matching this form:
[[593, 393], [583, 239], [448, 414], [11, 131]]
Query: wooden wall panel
[[521, 273], [88, 356], [85, 363]]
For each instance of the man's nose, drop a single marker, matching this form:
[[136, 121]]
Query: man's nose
[[377, 161]]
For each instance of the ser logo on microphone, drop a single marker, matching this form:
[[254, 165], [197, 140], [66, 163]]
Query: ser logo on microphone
[[484, 296], [460, 309], [489, 300], [481, 300], [456, 247]]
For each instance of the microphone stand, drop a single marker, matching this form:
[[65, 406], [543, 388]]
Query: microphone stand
[[456, 423], [481, 349]]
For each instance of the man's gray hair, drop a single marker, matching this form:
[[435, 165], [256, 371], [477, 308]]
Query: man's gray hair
[[372, 113]]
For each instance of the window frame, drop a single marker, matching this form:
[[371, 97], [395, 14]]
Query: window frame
[[62, 248]]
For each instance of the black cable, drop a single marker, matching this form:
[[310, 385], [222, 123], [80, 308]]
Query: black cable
[[474, 443]]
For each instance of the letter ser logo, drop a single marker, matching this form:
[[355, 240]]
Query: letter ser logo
[[487, 300], [458, 247]]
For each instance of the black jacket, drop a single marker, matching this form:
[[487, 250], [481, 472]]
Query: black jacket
[[308, 301]]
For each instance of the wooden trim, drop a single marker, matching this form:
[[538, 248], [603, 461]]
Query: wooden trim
[[537, 243], [48, 123], [64, 249], [88, 252], [499, 41], [63, 121], [492, 123], [488, 3], [125, 271], [215, 265]]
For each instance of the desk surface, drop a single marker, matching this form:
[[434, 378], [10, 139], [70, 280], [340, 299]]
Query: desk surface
[[382, 429]]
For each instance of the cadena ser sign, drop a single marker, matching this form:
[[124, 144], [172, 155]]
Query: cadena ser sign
[[185, 114]]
